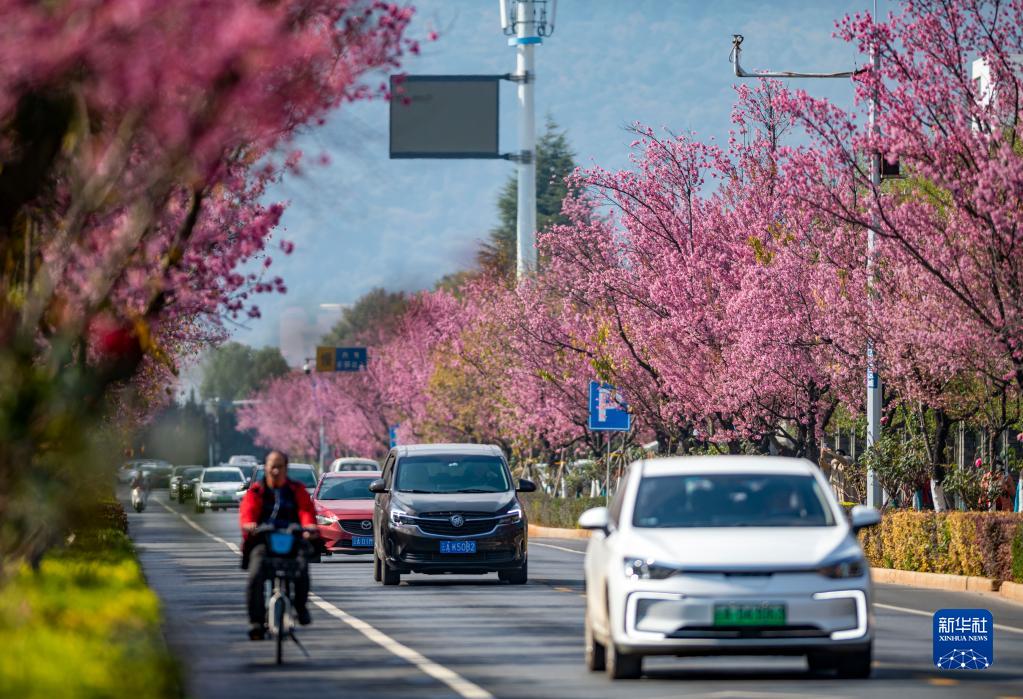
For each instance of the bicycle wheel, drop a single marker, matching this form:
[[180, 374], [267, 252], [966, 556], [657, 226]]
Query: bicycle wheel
[[278, 616]]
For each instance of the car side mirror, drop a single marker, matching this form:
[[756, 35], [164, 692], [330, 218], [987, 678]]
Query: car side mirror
[[595, 518], [526, 486], [862, 517], [378, 486]]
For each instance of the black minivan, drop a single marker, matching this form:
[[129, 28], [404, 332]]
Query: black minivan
[[449, 508]]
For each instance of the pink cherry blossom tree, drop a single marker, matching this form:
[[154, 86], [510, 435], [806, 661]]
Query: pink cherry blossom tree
[[138, 139]]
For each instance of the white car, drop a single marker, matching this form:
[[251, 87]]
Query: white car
[[242, 460], [219, 488], [727, 555], [350, 463]]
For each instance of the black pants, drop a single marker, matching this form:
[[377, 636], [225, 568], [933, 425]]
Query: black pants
[[255, 596]]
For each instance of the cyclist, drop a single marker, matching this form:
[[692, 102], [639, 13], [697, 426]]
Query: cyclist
[[277, 500]]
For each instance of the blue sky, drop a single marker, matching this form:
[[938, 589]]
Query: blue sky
[[365, 221]]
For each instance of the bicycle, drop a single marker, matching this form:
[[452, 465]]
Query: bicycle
[[283, 567]]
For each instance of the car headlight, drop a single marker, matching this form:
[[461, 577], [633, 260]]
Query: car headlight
[[326, 520], [400, 517], [512, 516], [648, 569], [852, 567]]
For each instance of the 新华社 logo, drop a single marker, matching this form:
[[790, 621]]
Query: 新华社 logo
[[963, 639]]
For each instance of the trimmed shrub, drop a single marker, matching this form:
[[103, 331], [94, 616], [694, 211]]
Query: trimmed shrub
[[547, 511], [988, 544]]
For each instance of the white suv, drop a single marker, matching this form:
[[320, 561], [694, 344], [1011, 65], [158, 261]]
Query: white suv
[[747, 555]]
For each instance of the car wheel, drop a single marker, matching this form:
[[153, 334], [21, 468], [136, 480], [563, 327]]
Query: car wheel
[[181, 498], [518, 576], [199, 507], [854, 665], [622, 666], [595, 654], [388, 575], [376, 568]]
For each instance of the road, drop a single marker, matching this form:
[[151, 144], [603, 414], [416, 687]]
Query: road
[[476, 638]]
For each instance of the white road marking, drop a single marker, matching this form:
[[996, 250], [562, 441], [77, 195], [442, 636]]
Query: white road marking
[[552, 546], [463, 687], [930, 615]]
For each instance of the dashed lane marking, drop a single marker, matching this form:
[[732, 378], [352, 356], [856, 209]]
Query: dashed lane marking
[[930, 615], [559, 548], [463, 687]]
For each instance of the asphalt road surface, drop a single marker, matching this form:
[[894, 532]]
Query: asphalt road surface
[[476, 638]]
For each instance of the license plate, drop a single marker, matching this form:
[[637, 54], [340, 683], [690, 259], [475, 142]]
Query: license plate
[[458, 547], [362, 541], [224, 498], [749, 614]]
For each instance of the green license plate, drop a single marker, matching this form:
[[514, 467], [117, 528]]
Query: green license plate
[[749, 614]]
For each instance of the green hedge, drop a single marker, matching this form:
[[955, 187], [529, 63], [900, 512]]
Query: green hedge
[[547, 511], [988, 544], [85, 624]]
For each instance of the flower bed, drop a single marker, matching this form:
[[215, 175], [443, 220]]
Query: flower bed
[[85, 624]]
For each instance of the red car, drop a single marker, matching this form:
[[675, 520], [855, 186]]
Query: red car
[[344, 511]]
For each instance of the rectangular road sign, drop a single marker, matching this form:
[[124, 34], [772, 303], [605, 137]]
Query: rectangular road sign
[[608, 410], [340, 358], [444, 116]]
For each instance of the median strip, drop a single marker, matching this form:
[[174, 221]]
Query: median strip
[[461, 686]]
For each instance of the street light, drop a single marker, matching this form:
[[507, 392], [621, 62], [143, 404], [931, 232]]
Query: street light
[[875, 495]]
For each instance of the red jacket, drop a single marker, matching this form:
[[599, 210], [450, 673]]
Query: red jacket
[[251, 507]]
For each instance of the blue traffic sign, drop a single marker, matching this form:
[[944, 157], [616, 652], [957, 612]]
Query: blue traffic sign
[[393, 434], [340, 358], [608, 410]]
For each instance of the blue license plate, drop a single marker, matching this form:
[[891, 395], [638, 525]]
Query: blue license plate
[[362, 541], [458, 547]]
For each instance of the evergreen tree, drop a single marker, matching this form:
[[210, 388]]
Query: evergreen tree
[[554, 162]]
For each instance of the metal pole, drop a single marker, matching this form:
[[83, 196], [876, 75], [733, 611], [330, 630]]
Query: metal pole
[[607, 481], [526, 40], [875, 496]]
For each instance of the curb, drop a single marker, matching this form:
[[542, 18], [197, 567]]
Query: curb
[[934, 581], [555, 533], [1012, 591]]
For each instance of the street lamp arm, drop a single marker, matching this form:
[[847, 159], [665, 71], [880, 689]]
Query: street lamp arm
[[733, 58]]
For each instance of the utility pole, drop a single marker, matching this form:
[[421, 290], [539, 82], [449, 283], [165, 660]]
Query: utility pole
[[875, 495], [307, 368], [526, 22]]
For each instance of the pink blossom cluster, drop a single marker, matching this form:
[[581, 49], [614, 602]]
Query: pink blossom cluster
[[144, 134]]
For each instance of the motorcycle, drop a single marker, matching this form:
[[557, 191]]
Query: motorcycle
[[139, 498]]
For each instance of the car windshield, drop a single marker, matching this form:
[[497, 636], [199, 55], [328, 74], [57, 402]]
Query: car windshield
[[358, 466], [452, 473], [190, 473], [346, 489], [305, 476], [221, 477], [731, 500]]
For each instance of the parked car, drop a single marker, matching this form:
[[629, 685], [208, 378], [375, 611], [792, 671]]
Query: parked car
[[182, 482], [747, 555], [219, 488], [349, 463], [448, 508], [344, 511]]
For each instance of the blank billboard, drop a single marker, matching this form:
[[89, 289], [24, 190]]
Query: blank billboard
[[444, 116]]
